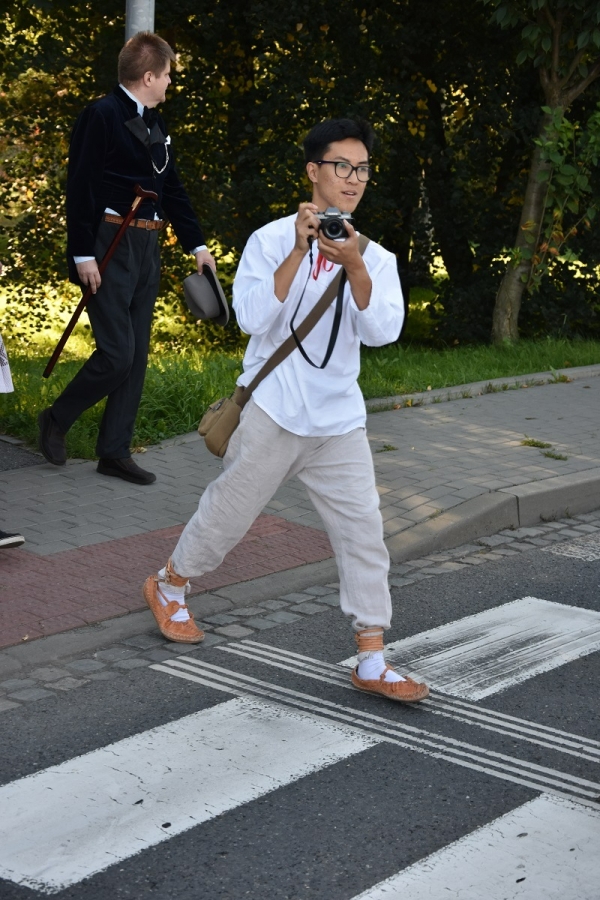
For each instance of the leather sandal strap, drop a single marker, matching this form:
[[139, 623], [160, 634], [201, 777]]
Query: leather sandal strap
[[173, 606], [369, 639], [158, 591], [171, 576], [385, 671]]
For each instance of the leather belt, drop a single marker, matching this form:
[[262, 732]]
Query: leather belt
[[146, 224]]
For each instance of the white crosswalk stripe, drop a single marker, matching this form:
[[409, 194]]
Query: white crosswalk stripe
[[95, 810], [546, 849], [423, 741], [147, 788], [522, 729], [480, 655]]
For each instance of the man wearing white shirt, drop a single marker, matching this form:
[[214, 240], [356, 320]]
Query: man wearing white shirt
[[119, 142], [303, 420]]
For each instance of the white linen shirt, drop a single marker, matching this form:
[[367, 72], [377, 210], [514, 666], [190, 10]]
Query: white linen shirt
[[300, 398]]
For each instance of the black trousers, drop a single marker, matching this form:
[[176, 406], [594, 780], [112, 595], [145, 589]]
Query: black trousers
[[120, 315]]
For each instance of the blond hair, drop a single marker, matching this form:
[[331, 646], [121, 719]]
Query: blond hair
[[144, 52]]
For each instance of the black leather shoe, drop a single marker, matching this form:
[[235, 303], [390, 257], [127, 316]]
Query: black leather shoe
[[11, 540], [125, 469], [52, 440]]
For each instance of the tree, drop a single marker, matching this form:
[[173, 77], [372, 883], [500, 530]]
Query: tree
[[454, 117], [561, 38]]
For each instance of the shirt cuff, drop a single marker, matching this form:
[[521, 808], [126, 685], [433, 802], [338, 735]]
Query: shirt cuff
[[82, 259], [198, 249]]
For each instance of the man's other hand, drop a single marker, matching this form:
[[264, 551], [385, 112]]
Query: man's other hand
[[89, 275], [347, 254], [203, 258], [343, 253], [307, 226]]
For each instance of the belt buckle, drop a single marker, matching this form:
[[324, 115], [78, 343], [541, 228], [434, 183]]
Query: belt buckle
[[148, 222]]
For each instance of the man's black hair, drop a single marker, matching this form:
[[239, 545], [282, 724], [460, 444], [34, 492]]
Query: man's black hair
[[318, 139]]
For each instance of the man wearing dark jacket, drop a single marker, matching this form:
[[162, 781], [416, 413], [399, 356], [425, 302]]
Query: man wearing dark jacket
[[118, 142]]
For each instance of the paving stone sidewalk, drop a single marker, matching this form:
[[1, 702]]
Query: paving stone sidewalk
[[429, 460], [43, 671]]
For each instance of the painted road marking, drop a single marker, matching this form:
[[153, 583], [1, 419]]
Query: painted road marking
[[448, 707], [546, 849], [72, 820], [462, 753], [483, 654], [585, 549]]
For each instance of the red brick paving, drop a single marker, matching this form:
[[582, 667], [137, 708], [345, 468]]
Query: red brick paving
[[41, 595]]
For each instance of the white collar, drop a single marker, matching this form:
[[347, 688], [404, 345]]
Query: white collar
[[140, 106]]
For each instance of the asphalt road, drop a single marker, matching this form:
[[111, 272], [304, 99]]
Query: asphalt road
[[15, 456], [245, 771]]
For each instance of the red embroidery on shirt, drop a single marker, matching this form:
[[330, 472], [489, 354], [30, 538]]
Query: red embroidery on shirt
[[322, 263]]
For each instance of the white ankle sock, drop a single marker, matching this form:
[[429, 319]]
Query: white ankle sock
[[371, 664], [171, 592]]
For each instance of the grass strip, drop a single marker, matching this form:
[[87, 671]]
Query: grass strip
[[392, 370], [180, 385]]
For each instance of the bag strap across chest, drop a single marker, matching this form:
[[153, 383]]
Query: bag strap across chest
[[300, 333]]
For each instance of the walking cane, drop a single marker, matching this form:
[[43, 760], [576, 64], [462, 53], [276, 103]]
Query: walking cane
[[141, 194]]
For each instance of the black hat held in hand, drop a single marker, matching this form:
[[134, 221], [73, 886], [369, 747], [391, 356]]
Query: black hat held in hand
[[204, 296]]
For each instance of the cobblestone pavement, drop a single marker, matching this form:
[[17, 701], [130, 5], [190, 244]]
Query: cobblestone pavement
[[87, 535], [578, 536], [428, 459], [46, 595]]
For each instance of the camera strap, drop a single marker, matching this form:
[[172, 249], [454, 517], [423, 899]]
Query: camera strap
[[303, 330], [325, 301]]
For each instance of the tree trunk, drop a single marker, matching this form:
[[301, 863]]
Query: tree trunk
[[505, 325]]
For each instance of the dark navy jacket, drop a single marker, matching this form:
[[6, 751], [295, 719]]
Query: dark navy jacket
[[109, 154]]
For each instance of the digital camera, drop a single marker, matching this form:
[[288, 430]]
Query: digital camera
[[332, 223]]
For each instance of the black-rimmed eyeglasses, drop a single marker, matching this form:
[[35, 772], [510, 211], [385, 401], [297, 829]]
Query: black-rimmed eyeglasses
[[345, 170]]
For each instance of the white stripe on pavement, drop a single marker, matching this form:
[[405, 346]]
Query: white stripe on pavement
[[584, 549], [479, 716], [546, 849], [471, 756], [72, 820], [482, 654]]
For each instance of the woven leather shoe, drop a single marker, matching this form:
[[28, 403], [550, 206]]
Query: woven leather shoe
[[181, 632], [407, 691], [51, 439], [126, 469]]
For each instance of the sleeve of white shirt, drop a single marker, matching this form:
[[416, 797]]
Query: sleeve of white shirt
[[254, 301], [381, 322]]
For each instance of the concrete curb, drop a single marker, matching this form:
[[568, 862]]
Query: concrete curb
[[477, 388], [466, 522], [556, 498], [507, 508], [522, 505]]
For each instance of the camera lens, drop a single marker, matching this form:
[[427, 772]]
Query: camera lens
[[333, 229]]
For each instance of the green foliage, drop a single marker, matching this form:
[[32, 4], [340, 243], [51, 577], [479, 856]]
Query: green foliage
[[567, 303], [571, 151], [455, 120], [576, 42], [395, 370], [533, 442], [561, 39], [266, 72], [178, 388], [180, 385]]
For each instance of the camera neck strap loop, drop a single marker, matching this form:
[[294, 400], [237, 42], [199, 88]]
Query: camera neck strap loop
[[340, 280], [338, 284], [304, 328]]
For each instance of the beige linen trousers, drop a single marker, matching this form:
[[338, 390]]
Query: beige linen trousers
[[339, 476]]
